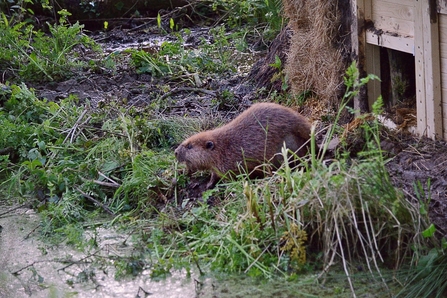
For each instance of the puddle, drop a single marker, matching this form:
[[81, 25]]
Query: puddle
[[150, 42], [29, 268]]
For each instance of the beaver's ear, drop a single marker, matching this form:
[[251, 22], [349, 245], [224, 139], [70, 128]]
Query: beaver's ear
[[209, 145]]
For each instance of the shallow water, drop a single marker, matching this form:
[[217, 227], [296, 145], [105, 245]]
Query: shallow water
[[30, 268]]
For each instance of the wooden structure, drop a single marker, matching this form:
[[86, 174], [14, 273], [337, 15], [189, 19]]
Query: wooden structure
[[418, 27]]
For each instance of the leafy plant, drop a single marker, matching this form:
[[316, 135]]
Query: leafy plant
[[36, 55], [265, 13], [174, 59]]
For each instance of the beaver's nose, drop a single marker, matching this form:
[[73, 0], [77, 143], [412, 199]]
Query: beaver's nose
[[177, 150]]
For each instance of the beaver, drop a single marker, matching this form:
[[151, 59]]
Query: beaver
[[253, 138]]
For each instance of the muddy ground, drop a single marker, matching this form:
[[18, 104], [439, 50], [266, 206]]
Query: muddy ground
[[412, 161]]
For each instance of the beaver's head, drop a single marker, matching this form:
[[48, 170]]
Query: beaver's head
[[198, 152]]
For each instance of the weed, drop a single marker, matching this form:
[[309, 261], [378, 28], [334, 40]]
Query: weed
[[33, 54], [178, 62], [262, 13]]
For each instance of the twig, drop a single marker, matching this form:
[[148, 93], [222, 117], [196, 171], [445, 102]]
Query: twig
[[87, 196], [260, 255], [107, 178], [146, 293], [71, 263], [32, 231], [103, 183], [72, 131], [142, 25], [30, 265], [10, 210], [108, 184], [181, 89], [74, 136]]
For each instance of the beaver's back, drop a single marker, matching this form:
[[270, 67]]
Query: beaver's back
[[260, 132]]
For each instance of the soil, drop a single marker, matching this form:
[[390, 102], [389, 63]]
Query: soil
[[124, 85], [413, 161], [421, 167]]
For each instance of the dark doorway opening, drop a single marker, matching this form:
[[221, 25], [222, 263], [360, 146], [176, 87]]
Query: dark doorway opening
[[398, 75]]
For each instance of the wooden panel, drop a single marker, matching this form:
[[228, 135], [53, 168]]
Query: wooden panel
[[373, 67], [400, 43], [428, 73], [444, 107], [433, 101], [359, 9], [442, 6], [398, 2], [420, 73], [443, 50], [444, 118], [395, 16], [400, 27], [443, 53], [442, 28], [444, 70]]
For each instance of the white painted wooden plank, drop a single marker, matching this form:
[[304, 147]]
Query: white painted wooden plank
[[419, 66], [428, 73], [400, 43], [389, 24], [444, 113], [432, 63], [444, 70], [443, 53], [400, 11], [398, 2], [442, 6]]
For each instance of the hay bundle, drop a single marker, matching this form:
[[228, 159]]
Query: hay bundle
[[315, 61]]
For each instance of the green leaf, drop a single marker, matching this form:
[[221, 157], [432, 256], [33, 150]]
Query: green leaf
[[429, 232], [158, 20]]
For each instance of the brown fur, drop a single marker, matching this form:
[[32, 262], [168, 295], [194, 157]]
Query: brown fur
[[251, 139]]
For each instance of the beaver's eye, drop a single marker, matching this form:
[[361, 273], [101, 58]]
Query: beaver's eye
[[210, 145], [189, 146]]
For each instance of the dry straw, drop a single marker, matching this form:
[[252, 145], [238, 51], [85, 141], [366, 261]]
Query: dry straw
[[315, 62]]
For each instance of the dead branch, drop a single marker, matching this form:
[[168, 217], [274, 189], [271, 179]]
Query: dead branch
[[72, 131], [181, 89], [108, 184], [90, 198], [71, 263], [109, 179], [12, 209]]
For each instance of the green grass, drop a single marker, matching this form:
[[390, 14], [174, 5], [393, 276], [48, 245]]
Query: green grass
[[34, 55]]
